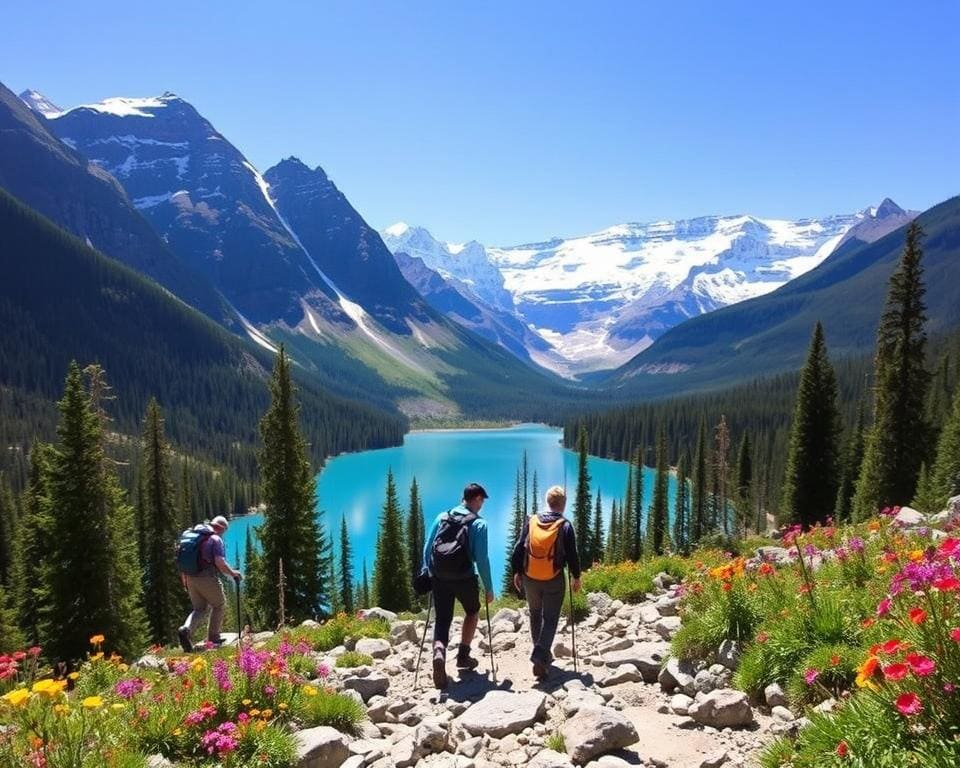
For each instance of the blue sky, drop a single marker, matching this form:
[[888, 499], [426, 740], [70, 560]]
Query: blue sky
[[515, 121]]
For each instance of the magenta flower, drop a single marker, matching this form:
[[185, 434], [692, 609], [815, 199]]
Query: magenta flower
[[883, 607], [323, 671], [127, 689], [810, 676], [856, 544], [221, 674]]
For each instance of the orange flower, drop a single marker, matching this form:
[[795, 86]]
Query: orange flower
[[917, 615], [866, 671], [766, 569]]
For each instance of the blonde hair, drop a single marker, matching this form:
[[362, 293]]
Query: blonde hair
[[556, 497]]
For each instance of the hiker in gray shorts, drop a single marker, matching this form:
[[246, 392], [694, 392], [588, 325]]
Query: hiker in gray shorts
[[205, 588]]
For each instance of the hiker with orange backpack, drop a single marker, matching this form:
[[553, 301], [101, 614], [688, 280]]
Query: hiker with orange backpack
[[547, 544]]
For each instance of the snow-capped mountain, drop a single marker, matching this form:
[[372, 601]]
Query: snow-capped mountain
[[602, 298], [40, 103]]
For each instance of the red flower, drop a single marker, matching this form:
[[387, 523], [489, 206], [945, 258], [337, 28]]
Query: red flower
[[727, 586], [949, 584], [895, 671], [921, 665], [891, 646], [834, 660], [909, 704], [762, 637], [842, 749], [955, 634], [917, 615], [950, 547]]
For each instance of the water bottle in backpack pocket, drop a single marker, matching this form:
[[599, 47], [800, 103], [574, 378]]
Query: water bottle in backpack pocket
[[451, 548], [189, 549]]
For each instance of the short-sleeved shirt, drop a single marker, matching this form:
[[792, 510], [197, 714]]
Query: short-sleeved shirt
[[210, 550]]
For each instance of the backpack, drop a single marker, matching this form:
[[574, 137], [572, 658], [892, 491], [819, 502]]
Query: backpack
[[189, 549], [543, 544], [451, 548]]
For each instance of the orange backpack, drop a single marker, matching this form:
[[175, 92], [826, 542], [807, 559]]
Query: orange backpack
[[542, 541]]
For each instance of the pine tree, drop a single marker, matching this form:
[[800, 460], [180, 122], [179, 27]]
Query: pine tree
[[596, 546], [290, 531], [534, 501], [813, 456], [160, 518], [365, 589], [627, 522], [681, 510], [699, 524], [582, 499], [30, 549], [926, 497], [187, 518], [517, 521], [897, 443], [637, 514], [744, 483], [252, 583], [8, 524], [945, 477], [658, 508], [939, 398], [613, 536], [415, 529], [390, 575], [346, 567], [721, 516], [852, 459], [90, 575], [526, 505]]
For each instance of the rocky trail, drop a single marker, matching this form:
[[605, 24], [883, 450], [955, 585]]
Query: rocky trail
[[629, 703]]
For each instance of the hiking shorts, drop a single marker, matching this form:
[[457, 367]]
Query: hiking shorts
[[445, 593]]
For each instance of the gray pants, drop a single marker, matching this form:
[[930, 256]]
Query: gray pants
[[545, 599], [206, 594]]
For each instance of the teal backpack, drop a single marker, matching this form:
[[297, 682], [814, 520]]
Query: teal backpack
[[189, 547]]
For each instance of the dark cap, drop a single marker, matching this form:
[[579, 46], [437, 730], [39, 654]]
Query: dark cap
[[473, 490]]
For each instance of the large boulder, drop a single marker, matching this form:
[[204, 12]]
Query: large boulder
[[723, 708], [678, 674], [369, 686], [377, 613], [321, 747], [646, 657], [510, 617], [404, 631], [376, 647], [909, 517], [501, 713], [595, 731]]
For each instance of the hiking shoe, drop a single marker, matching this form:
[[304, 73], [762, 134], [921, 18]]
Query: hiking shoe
[[184, 634], [216, 643], [540, 671], [439, 670], [466, 661]]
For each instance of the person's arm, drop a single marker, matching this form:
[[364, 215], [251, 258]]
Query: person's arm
[[219, 558], [478, 551], [519, 550], [427, 561], [570, 550]]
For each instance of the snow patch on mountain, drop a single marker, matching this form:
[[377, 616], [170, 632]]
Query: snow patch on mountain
[[120, 106], [39, 103]]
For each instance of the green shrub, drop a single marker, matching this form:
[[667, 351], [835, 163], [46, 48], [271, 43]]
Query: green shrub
[[732, 615], [335, 710], [556, 742], [335, 631], [836, 667], [354, 659], [631, 581]]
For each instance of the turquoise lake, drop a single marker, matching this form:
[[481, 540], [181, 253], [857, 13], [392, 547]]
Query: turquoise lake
[[443, 462]]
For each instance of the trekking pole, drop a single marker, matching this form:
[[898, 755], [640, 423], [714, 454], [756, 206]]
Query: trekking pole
[[236, 583], [493, 664], [573, 624], [423, 640]]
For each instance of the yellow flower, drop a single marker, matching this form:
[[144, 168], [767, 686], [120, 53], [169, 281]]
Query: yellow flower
[[17, 698], [282, 707], [247, 702], [254, 712], [97, 656], [310, 690], [74, 675], [124, 667], [61, 709], [916, 555], [198, 664], [177, 731], [49, 688], [97, 640], [267, 714], [92, 702], [118, 706]]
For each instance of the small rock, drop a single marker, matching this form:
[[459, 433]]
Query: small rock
[[355, 761], [663, 580], [377, 613], [907, 516], [373, 646], [625, 673], [667, 627], [729, 654], [509, 616], [321, 747], [470, 747], [715, 760], [577, 701], [680, 704], [550, 759], [158, 761], [404, 753], [649, 614], [501, 713], [404, 631], [667, 605], [646, 657], [678, 674], [149, 661], [430, 737], [368, 687], [782, 714], [826, 706], [774, 696]]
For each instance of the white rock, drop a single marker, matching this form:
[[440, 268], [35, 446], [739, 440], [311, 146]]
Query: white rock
[[646, 657], [680, 704], [404, 753], [625, 673], [907, 516], [158, 761], [509, 616], [782, 714], [596, 730], [550, 759], [373, 646], [356, 761], [500, 713], [715, 760], [580, 700], [667, 627], [723, 708], [470, 747], [774, 696], [430, 737], [649, 614], [321, 747], [369, 686], [377, 613], [678, 674]]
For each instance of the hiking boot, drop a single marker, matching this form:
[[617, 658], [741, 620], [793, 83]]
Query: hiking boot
[[439, 669], [216, 643], [540, 671], [184, 634], [465, 660]]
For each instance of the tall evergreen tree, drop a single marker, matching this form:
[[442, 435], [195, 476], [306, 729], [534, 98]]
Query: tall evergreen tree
[[628, 523], [11, 638], [415, 529], [945, 477], [813, 455], [8, 524], [637, 513], [597, 531], [346, 568], [534, 501], [699, 524], [90, 575], [852, 459], [897, 443], [517, 521], [582, 505], [290, 531], [939, 398], [365, 587], [657, 538], [721, 515], [681, 509], [390, 574], [160, 517], [252, 583], [526, 503], [744, 484], [612, 554], [186, 499], [30, 549]]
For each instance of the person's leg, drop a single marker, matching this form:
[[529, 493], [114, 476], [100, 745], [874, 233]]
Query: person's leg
[[200, 606], [218, 601], [469, 596], [553, 594], [443, 598], [534, 592]]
